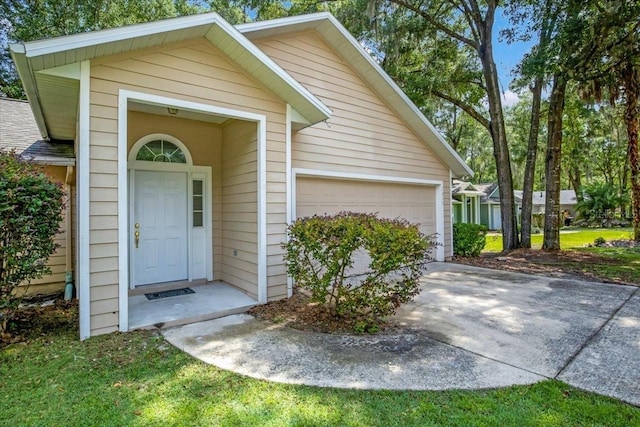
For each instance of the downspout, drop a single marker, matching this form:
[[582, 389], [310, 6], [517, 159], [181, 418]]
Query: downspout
[[68, 288]]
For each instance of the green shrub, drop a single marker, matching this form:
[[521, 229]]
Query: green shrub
[[320, 256], [30, 215], [599, 241], [468, 239]]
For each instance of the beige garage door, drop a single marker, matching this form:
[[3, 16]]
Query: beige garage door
[[415, 203]]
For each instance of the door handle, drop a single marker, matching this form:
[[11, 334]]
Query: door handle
[[137, 238]]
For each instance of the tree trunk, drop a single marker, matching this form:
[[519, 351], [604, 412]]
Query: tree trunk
[[530, 168], [499, 137], [575, 178], [553, 169], [631, 111]]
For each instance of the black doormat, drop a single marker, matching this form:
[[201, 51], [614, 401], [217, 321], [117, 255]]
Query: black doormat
[[172, 293]]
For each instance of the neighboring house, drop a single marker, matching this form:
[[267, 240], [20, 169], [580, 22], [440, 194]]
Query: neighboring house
[[490, 206], [197, 142], [19, 132], [568, 201], [465, 202]]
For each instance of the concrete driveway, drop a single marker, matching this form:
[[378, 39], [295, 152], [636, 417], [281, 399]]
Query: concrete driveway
[[469, 328]]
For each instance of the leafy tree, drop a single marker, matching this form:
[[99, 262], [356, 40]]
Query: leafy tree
[[584, 39], [30, 215], [542, 16], [599, 200], [457, 37]]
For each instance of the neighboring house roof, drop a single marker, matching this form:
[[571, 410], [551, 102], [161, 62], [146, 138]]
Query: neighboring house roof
[[463, 187], [330, 29], [489, 193], [50, 69], [567, 197], [19, 132]]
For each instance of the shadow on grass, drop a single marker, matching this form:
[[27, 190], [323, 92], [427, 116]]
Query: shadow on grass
[[139, 379]]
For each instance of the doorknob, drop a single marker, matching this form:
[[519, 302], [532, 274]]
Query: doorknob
[[137, 238]]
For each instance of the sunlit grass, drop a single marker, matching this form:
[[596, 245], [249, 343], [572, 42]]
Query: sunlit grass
[[570, 238], [139, 379]]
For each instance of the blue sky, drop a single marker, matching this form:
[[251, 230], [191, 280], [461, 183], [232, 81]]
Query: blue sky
[[507, 56]]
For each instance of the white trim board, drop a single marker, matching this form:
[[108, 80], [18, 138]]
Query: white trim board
[[83, 272], [290, 115], [439, 193], [124, 96]]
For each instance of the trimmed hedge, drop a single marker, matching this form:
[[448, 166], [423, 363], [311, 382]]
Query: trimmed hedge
[[321, 252], [468, 239]]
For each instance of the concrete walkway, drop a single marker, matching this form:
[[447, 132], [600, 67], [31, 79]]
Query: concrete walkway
[[469, 328]]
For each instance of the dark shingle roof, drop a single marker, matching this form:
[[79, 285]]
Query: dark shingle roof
[[19, 131]]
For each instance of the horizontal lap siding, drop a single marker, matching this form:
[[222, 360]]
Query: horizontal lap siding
[[240, 206], [194, 71], [364, 135]]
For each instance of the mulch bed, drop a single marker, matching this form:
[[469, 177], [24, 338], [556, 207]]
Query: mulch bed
[[568, 264], [39, 318], [299, 312]]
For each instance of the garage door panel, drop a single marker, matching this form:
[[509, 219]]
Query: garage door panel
[[415, 203]]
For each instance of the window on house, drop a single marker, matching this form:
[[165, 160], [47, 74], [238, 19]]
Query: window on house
[[198, 203], [161, 151]]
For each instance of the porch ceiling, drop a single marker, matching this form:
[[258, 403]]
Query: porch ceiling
[[180, 113]]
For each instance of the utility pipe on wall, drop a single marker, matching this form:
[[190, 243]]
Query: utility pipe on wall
[[68, 288]]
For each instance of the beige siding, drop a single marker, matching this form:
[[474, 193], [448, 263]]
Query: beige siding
[[364, 135], [194, 71], [240, 206], [54, 282]]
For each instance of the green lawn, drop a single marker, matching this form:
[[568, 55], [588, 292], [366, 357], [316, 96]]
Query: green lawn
[[139, 379], [570, 238]]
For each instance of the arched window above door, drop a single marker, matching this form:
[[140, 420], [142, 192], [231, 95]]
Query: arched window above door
[[161, 151], [160, 148]]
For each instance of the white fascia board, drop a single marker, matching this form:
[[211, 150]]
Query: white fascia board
[[76, 41], [29, 83], [362, 61], [322, 111]]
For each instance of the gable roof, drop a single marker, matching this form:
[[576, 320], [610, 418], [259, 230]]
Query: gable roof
[[567, 197], [467, 188], [50, 68], [488, 192], [330, 29], [19, 132]]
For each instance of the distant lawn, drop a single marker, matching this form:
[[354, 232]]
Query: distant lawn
[[570, 238], [139, 379], [620, 265]]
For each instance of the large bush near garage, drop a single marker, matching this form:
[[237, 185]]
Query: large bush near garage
[[468, 239], [321, 252], [30, 214]]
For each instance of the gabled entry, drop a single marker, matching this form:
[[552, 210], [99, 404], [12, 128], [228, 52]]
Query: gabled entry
[[169, 213]]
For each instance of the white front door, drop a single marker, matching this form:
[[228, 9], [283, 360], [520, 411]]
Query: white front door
[[160, 217], [497, 217]]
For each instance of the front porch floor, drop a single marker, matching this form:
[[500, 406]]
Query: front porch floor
[[210, 301]]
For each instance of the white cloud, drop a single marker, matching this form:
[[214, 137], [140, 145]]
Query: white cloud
[[509, 98]]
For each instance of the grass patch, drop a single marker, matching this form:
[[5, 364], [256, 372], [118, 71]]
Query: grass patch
[[570, 238], [139, 379]]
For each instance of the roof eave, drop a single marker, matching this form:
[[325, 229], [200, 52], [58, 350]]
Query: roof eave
[[18, 54], [287, 87], [397, 99]]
